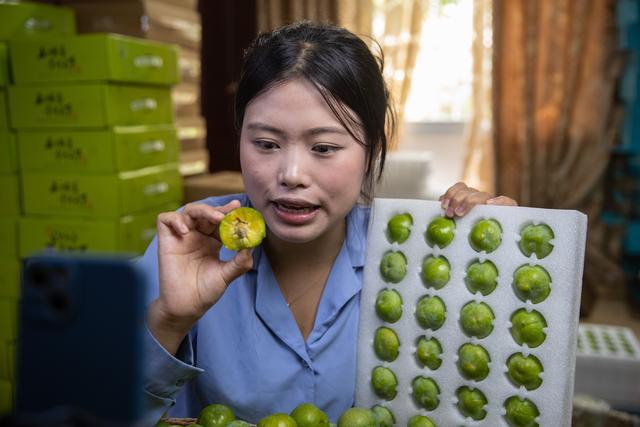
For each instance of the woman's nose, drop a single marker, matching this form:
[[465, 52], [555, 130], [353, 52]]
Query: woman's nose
[[294, 169]]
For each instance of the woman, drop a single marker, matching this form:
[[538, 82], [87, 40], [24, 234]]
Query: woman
[[264, 331]]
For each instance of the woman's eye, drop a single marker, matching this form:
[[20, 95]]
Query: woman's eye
[[265, 145], [325, 148]]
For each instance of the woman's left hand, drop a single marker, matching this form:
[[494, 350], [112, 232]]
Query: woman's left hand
[[459, 199]]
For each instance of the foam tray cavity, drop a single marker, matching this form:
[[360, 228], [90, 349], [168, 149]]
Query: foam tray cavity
[[560, 309]]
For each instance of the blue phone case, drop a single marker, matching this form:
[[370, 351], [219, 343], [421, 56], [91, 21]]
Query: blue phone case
[[80, 339]]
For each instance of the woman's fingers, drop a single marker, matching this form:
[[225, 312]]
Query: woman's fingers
[[459, 199], [502, 201], [208, 217], [174, 222], [239, 264]]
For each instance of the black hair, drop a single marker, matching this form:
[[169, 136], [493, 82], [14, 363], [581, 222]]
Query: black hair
[[343, 69]]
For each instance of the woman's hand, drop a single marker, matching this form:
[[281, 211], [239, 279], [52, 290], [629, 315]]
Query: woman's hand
[[459, 199], [192, 277]]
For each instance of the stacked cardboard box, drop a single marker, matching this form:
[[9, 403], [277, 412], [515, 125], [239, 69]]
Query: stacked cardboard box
[[96, 141], [24, 21], [170, 21]]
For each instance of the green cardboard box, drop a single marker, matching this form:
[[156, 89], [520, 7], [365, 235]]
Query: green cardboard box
[[98, 151], [8, 152], [9, 236], [94, 57], [89, 105], [101, 196], [4, 109], [6, 397], [8, 318], [130, 234], [10, 194], [10, 278], [7, 360], [4, 64], [27, 19]]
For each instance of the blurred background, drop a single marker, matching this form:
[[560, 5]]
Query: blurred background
[[536, 100]]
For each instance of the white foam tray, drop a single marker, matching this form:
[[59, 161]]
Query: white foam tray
[[561, 309]]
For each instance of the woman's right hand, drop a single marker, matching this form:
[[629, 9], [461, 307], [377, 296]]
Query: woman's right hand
[[192, 277]]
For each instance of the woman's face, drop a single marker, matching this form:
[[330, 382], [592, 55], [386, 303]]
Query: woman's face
[[301, 168]]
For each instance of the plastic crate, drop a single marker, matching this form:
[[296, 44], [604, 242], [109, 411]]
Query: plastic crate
[[608, 364]]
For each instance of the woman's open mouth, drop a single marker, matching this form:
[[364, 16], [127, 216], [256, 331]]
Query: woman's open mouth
[[295, 212]]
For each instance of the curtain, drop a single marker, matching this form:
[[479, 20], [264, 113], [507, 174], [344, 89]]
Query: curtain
[[396, 25], [478, 166], [555, 117], [275, 13]]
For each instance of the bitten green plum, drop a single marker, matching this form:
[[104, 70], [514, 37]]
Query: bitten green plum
[[393, 266], [428, 352], [473, 362], [528, 328], [471, 403], [420, 421], [384, 416], [535, 239], [430, 313], [399, 228], [384, 382], [435, 272], [386, 344], [524, 371], [440, 232], [532, 283], [486, 235], [482, 277], [521, 413], [389, 305], [476, 319], [426, 392]]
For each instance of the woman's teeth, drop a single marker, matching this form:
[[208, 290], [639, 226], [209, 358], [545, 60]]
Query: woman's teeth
[[295, 209]]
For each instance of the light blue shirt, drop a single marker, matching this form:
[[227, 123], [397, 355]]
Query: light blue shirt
[[247, 351]]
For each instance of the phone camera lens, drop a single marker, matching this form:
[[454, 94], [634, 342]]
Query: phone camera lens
[[39, 276], [58, 300]]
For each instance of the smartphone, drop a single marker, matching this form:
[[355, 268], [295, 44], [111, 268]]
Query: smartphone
[[80, 349]]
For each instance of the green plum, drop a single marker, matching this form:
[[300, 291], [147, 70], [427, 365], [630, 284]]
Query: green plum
[[386, 344], [524, 371], [357, 417], [238, 423], [473, 362], [430, 313], [532, 283], [534, 239], [440, 232], [389, 305], [215, 415], [384, 416], [393, 266], [428, 352], [435, 272], [521, 413], [420, 421], [486, 235], [482, 277], [309, 415], [384, 382], [277, 420], [426, 392], [476, 319], [528, 328], [399, 228], [471, 403]]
